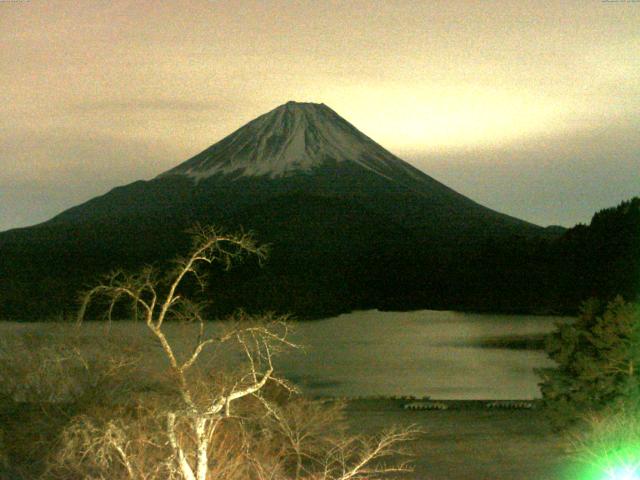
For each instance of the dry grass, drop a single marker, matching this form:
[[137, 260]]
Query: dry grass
[[92, 403]]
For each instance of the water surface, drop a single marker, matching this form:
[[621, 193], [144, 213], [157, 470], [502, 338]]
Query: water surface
[[421, 353]]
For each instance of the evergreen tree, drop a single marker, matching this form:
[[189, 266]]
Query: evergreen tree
[[597, 361]]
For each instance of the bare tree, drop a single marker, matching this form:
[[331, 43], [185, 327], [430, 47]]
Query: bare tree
[[317, 442], [208, 397], [158, 301]]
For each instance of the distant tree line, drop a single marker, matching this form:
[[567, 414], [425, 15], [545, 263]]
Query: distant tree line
[[331, 274]]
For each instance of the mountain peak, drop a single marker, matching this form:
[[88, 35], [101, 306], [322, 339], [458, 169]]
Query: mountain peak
[[303, 108], [293, 104], [294, 138]]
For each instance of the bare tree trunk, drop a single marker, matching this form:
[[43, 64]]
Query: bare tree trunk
[[183, 464], [202, 462]]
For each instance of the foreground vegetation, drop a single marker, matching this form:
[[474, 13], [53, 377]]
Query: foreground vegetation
[[215, 409]]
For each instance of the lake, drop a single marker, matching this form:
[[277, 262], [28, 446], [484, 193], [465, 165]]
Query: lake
[[421, 353], [444, 355]]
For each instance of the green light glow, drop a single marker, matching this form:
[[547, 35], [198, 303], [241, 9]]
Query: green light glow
[[611, 464], [625, 472], [608, 459]]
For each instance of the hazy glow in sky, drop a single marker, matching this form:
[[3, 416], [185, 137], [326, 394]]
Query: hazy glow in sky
[[529, 107]]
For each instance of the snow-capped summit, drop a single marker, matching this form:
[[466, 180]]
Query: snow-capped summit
[[293, 138]]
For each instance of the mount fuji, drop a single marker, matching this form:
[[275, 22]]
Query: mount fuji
[[302, 149], [350, 224]]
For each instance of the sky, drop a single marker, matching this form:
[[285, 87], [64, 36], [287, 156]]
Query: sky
[[531, 108]]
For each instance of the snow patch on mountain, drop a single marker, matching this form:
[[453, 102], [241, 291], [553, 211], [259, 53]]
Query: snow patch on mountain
[[293, 138]]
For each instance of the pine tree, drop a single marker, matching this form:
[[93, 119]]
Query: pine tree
[[597, 361]]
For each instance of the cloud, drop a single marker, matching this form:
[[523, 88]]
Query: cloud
[[560, 179], [151, 105], [55, 155], [44, 173]]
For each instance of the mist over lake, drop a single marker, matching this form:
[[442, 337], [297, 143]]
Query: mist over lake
[[436, 353]]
